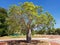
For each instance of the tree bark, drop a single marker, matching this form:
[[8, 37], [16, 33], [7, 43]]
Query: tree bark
[[28, 36]]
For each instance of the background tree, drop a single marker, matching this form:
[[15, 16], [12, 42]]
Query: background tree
[[57, 31], [51, 32], [3, 24]]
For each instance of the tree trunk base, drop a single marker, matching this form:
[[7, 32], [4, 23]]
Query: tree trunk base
[[28, 36]]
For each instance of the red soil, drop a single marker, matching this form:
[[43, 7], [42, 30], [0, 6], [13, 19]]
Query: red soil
[[54, 43]]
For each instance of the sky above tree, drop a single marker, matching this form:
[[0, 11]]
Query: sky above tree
[[52, 6]]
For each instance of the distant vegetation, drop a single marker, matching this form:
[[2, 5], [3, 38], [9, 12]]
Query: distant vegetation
[[3, 23], [49, 32], [18, 19]]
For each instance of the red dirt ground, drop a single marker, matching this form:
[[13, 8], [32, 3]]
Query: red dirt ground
[[54, 43], [42, 36], [33, 42]]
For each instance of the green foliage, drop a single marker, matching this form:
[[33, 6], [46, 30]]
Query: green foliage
[[28, 15], [57, 31], [41, 32], [3, 24], [51, 21], [51, 32]]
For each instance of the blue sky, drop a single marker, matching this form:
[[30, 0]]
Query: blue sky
[[52, 6]]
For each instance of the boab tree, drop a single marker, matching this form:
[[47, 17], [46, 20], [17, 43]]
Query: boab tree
[[28, 16]]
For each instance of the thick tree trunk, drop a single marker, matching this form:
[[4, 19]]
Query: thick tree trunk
[[28, 36]]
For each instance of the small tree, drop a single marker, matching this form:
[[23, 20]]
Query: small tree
[[28, 16]]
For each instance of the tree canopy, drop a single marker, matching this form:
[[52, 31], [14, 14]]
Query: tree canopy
[[28, 15]]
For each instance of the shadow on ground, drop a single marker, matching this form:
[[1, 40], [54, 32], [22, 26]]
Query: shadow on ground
[[24, 42]]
